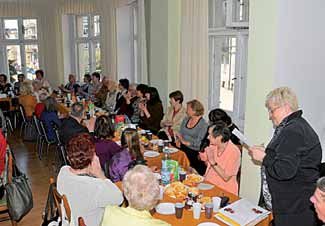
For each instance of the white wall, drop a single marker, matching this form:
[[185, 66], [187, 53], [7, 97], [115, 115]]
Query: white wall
[[301, 57]]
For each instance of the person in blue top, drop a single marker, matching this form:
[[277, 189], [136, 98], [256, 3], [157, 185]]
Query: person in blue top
[[50, 116]]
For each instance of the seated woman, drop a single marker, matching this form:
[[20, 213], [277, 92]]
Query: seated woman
[[192, 131], [101, 95], [123, 87], [151, 111], [111, 96], [174, 116], [130, 106], [71, 86], [141, 189], [39, 108], [50, 116], [38, 90], [26, 99], [84, 183], [128, 157], [105, 147], [222, 158], [217, 115]]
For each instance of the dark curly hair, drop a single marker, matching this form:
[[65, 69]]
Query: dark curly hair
[[80, 150], [104, 128]]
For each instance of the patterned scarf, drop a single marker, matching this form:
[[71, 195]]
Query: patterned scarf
[[265, 188]]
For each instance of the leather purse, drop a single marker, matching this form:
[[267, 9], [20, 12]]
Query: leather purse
[[19, 195]]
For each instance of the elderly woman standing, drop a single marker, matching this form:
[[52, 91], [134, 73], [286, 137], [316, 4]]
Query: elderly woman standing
[[84, 183], [290, 162], [141, 189], [192, 131], [222, 158]]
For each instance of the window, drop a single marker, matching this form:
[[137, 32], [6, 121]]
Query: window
[[87, 44], [228, 57], [19, 43]]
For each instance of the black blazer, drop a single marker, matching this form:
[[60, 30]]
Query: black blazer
[[292, 168]]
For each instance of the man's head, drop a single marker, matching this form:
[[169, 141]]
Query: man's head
[[77, 111], [318, 199], [21, 77]]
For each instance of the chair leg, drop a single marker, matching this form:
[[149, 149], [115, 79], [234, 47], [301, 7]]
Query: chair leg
[[14, 223]]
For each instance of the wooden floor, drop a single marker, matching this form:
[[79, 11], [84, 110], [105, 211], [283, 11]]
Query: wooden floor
[[38, 172]]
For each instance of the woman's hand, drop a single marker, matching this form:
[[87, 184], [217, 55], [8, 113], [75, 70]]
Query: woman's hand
[[257, 153], [168, 123], [210, 156], [96, 169], [142, 106]]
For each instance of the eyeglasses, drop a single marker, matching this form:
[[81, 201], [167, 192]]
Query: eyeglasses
[[271, 111]]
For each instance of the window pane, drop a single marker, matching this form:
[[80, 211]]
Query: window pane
[[84, 66], [96, 25], [242, 11], [14, 61], [30, 28], [32, 61], [227, 73], [98, 57], [82, 26], [217, 13], [11, 29]]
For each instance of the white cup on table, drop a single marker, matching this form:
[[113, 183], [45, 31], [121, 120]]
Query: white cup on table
[[216, 203], [197, 210]]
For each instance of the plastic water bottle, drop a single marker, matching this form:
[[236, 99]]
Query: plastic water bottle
[[165, 174]]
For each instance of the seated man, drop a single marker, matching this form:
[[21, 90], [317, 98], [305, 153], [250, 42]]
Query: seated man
[[71, 86], [21, 78], [73, 124], [318, 199]]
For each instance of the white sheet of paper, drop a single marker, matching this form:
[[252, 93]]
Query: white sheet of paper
[[242, 137]]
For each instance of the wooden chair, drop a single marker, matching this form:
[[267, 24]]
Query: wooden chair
[[8, 179], [81, 222], [58, 199]]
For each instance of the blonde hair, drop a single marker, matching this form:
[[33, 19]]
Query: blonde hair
[[197, 107], [281, 96], [141, 188], [26, 88]]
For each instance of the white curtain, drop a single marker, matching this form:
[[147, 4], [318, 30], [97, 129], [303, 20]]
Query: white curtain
[[108, 36], [17, 8], [143, 70], [194, 76]]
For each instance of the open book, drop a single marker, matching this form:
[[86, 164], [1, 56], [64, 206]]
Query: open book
[[242, 213]]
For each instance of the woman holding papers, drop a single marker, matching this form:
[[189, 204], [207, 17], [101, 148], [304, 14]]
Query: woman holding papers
[[289, 163], [222, 158]]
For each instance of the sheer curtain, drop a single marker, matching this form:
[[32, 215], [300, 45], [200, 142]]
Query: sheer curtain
[[143, 70], [194, 76]]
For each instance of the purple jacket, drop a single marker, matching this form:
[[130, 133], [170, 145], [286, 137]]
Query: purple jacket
[[105, 150], [119, 165]]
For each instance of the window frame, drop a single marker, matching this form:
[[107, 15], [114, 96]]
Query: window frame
[[240, 80], [21, 42], [91, 40]]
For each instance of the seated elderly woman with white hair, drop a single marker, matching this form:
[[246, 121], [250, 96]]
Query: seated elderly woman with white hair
[[141, 189]]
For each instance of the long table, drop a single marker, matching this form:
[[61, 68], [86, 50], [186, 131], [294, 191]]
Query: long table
[[188, 220]]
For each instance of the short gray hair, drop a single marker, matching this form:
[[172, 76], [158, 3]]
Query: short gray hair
[[77, 110], [281, 96], [141, 188]]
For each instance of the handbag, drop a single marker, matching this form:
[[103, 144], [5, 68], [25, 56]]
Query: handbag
[[19, 195], [50, 214]]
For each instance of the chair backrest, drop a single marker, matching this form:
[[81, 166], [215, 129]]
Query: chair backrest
[[22, 113], [37, 126], [57, 135], [81, 221], [5, 105], [44, 131], [106, 169], [58, 200]]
